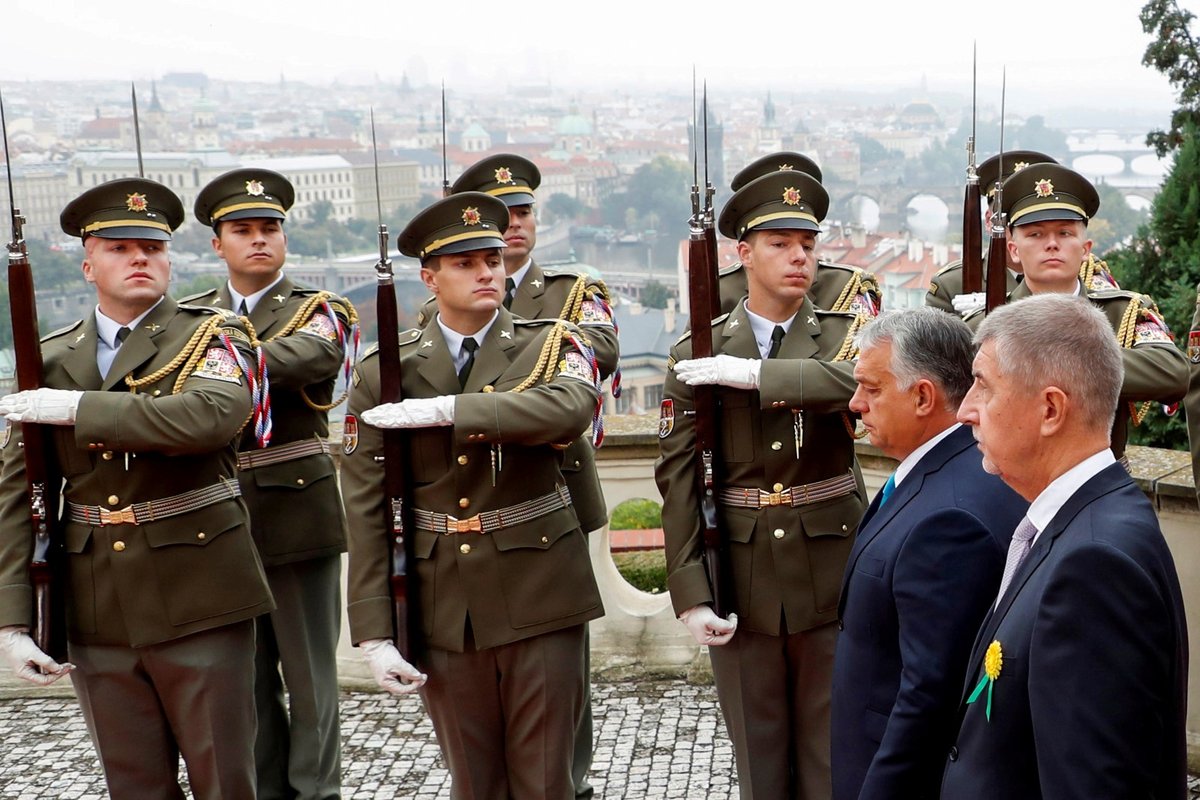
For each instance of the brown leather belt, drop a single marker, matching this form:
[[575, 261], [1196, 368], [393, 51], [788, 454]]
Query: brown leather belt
[[792, 496], [488, 521], [141, 513], [250, 459]]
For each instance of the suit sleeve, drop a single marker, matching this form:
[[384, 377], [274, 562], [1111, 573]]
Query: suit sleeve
[[945, 577], [675, 474], [312, 353], [1100, 685]]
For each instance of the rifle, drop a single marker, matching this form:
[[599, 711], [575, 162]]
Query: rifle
[[445, 176], [972, 253], [405, 618], [704, 304], [137, 130], [997, 259], [45, 564]]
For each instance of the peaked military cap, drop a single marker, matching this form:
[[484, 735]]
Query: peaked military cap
[[127, 208], [507, 176], [1014, 161], [1049, 191], [244, 194], [787, 199], [784, 159], [455, 224]]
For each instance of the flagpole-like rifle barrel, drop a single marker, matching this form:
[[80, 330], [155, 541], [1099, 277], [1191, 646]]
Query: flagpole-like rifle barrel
[[997, 261], [445, 171], [137, 130]]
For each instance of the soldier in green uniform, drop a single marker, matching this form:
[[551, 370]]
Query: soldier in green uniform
[[1047, 208], [163, 580], [787, 496], [1191, 402], [288, 480], [946, 288], [502, 570], [534, 293], [836, 287]]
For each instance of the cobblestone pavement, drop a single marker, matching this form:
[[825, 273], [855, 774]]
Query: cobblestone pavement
[[659, 739]]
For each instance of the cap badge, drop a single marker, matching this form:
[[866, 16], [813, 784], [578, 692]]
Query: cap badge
[[504, 175], [255, 188], [1044, 188], [136, 202], [1020, 165], [791, 196], [470, 216]]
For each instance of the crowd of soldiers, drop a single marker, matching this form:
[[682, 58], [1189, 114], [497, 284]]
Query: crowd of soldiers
[[203, 526]]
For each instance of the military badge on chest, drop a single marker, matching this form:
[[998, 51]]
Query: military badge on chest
[[666, 418]]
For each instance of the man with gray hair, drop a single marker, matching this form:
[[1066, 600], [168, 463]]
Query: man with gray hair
[[1077, 684], [925, 564]]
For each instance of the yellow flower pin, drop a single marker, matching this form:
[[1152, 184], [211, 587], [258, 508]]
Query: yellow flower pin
[[993, 661]]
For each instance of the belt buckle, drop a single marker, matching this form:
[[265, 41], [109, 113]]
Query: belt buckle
[[770, 498], [122, 516], [468, 525]]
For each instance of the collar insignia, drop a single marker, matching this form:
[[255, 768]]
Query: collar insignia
[[136, 202], [279, 298], [536, 284], [505, 334], [153, 326], [427, 343], [80, 338]]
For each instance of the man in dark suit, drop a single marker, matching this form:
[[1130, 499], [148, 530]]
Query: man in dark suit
[[925, 564], [1077, 683]]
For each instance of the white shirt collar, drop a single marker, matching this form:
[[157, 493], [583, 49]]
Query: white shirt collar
[[1047, 504], [912, 459], [251, 299], [519, 275], [763, 327], [454, 339]]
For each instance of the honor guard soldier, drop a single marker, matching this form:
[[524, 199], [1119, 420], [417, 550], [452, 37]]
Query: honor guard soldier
[[1047, 208], [288, 480], [787, 498], [946, 288], [1192, 401], [533, 293], [500, 564], [836, 287], [162, 578]]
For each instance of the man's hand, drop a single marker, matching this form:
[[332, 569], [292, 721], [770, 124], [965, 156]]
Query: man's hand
[[706, 627], [737, 373], [27, 660], [416, 412], [47, 406], [391, 671], [966, 304]]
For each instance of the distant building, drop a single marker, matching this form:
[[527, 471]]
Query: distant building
[[316, 178], [646, 336], [399, 184]]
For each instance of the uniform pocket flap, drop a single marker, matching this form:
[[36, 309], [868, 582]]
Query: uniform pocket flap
[[196, 527], [831, 517], [740, 524], [539, 534], [76, 538], [297, 474], [423, 543]]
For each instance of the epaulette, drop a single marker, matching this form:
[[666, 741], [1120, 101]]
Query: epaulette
[[953, 265], [370, 351], [721, 273], [827, 313], [61, 331], [195, 308], [542, 321], [192, 298], [573, 274], [1119, 294], [837, 265], [407, 337]]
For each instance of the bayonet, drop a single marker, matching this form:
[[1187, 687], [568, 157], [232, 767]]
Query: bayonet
[[445, 173], [137, 130], [997, 272], [972, 238]]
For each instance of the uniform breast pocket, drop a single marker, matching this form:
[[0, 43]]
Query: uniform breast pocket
[[737, 427], [547, 573], [829, 528]]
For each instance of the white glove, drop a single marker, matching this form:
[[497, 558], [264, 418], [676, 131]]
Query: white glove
[[27, 660], [48, 406], [966, 304], [738, 373], [391, 671], [706, 627], [416, 412]]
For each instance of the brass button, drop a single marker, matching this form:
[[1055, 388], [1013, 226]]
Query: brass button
[[776, 445], [462, 460], [106, 455], [299, 481], [201, 536], [464, 548], [779, 533], [844, 529], [489, 388], [113, 499], [157, 392], [119, 546], [545, 540], [576, 463], [463, 502], [777, 487]]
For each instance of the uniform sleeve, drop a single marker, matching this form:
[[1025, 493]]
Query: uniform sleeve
[[16, 535], [808, 383], [205, 415], [676, 476], [937, 297], [369, 599], [312, 353], [1155, 369], [596, 321]]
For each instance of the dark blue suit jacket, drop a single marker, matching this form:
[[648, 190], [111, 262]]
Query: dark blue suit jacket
[[923, 571], [1091, 695]]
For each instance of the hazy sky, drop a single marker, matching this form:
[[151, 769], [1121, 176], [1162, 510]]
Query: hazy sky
[[1069, 51]]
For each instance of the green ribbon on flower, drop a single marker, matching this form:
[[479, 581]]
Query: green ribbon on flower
[[989, 682], [993, 662]]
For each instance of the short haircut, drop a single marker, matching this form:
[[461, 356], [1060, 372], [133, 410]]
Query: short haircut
[[1059, 340], [926, 343]]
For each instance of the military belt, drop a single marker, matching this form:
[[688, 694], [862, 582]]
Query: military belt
[[252, 459], [792, 496], [141, 513], [489, 521]]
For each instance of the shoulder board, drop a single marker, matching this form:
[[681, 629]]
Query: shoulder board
[[821, 312], [518, 321], [61, 331], [305, 289], [370, 351], [194, 298], [737, 268], [558, 272], [409, 336], [836, 265], [1119, 294], [951, 267], [196, 308]]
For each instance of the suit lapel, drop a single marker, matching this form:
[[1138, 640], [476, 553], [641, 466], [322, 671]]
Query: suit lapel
[[528, 301], [270, 310], [495, 354], [738, 335], [80, 361], [800, 341], [141, 346], [435, 364]]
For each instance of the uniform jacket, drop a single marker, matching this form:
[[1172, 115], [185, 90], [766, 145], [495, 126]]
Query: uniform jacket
[[543, 295], [784, 560], [924, 569], [835, 287], [948, 282], [1092, 690], [1192, 401], [295, 506], [141, 584], [514, 583], [1155, 369]]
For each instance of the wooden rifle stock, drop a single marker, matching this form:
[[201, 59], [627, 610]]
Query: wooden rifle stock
[[972, 253], [997, 270]]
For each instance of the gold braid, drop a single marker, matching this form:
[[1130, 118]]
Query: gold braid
[[303, 315], [846, 352], [549, 355], [1126, 338], [846, 298], [572, 310]]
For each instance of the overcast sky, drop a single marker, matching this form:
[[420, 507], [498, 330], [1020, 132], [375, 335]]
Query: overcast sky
[[1070, 51]]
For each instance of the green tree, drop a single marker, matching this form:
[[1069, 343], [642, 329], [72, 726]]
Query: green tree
[[563, 206], [1173, 52], [1116, 223], [655, 295]]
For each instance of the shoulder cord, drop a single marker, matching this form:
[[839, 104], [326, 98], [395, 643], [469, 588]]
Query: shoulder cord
[[572, 311], [347, 335], [847, 352], [1126, 338]]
